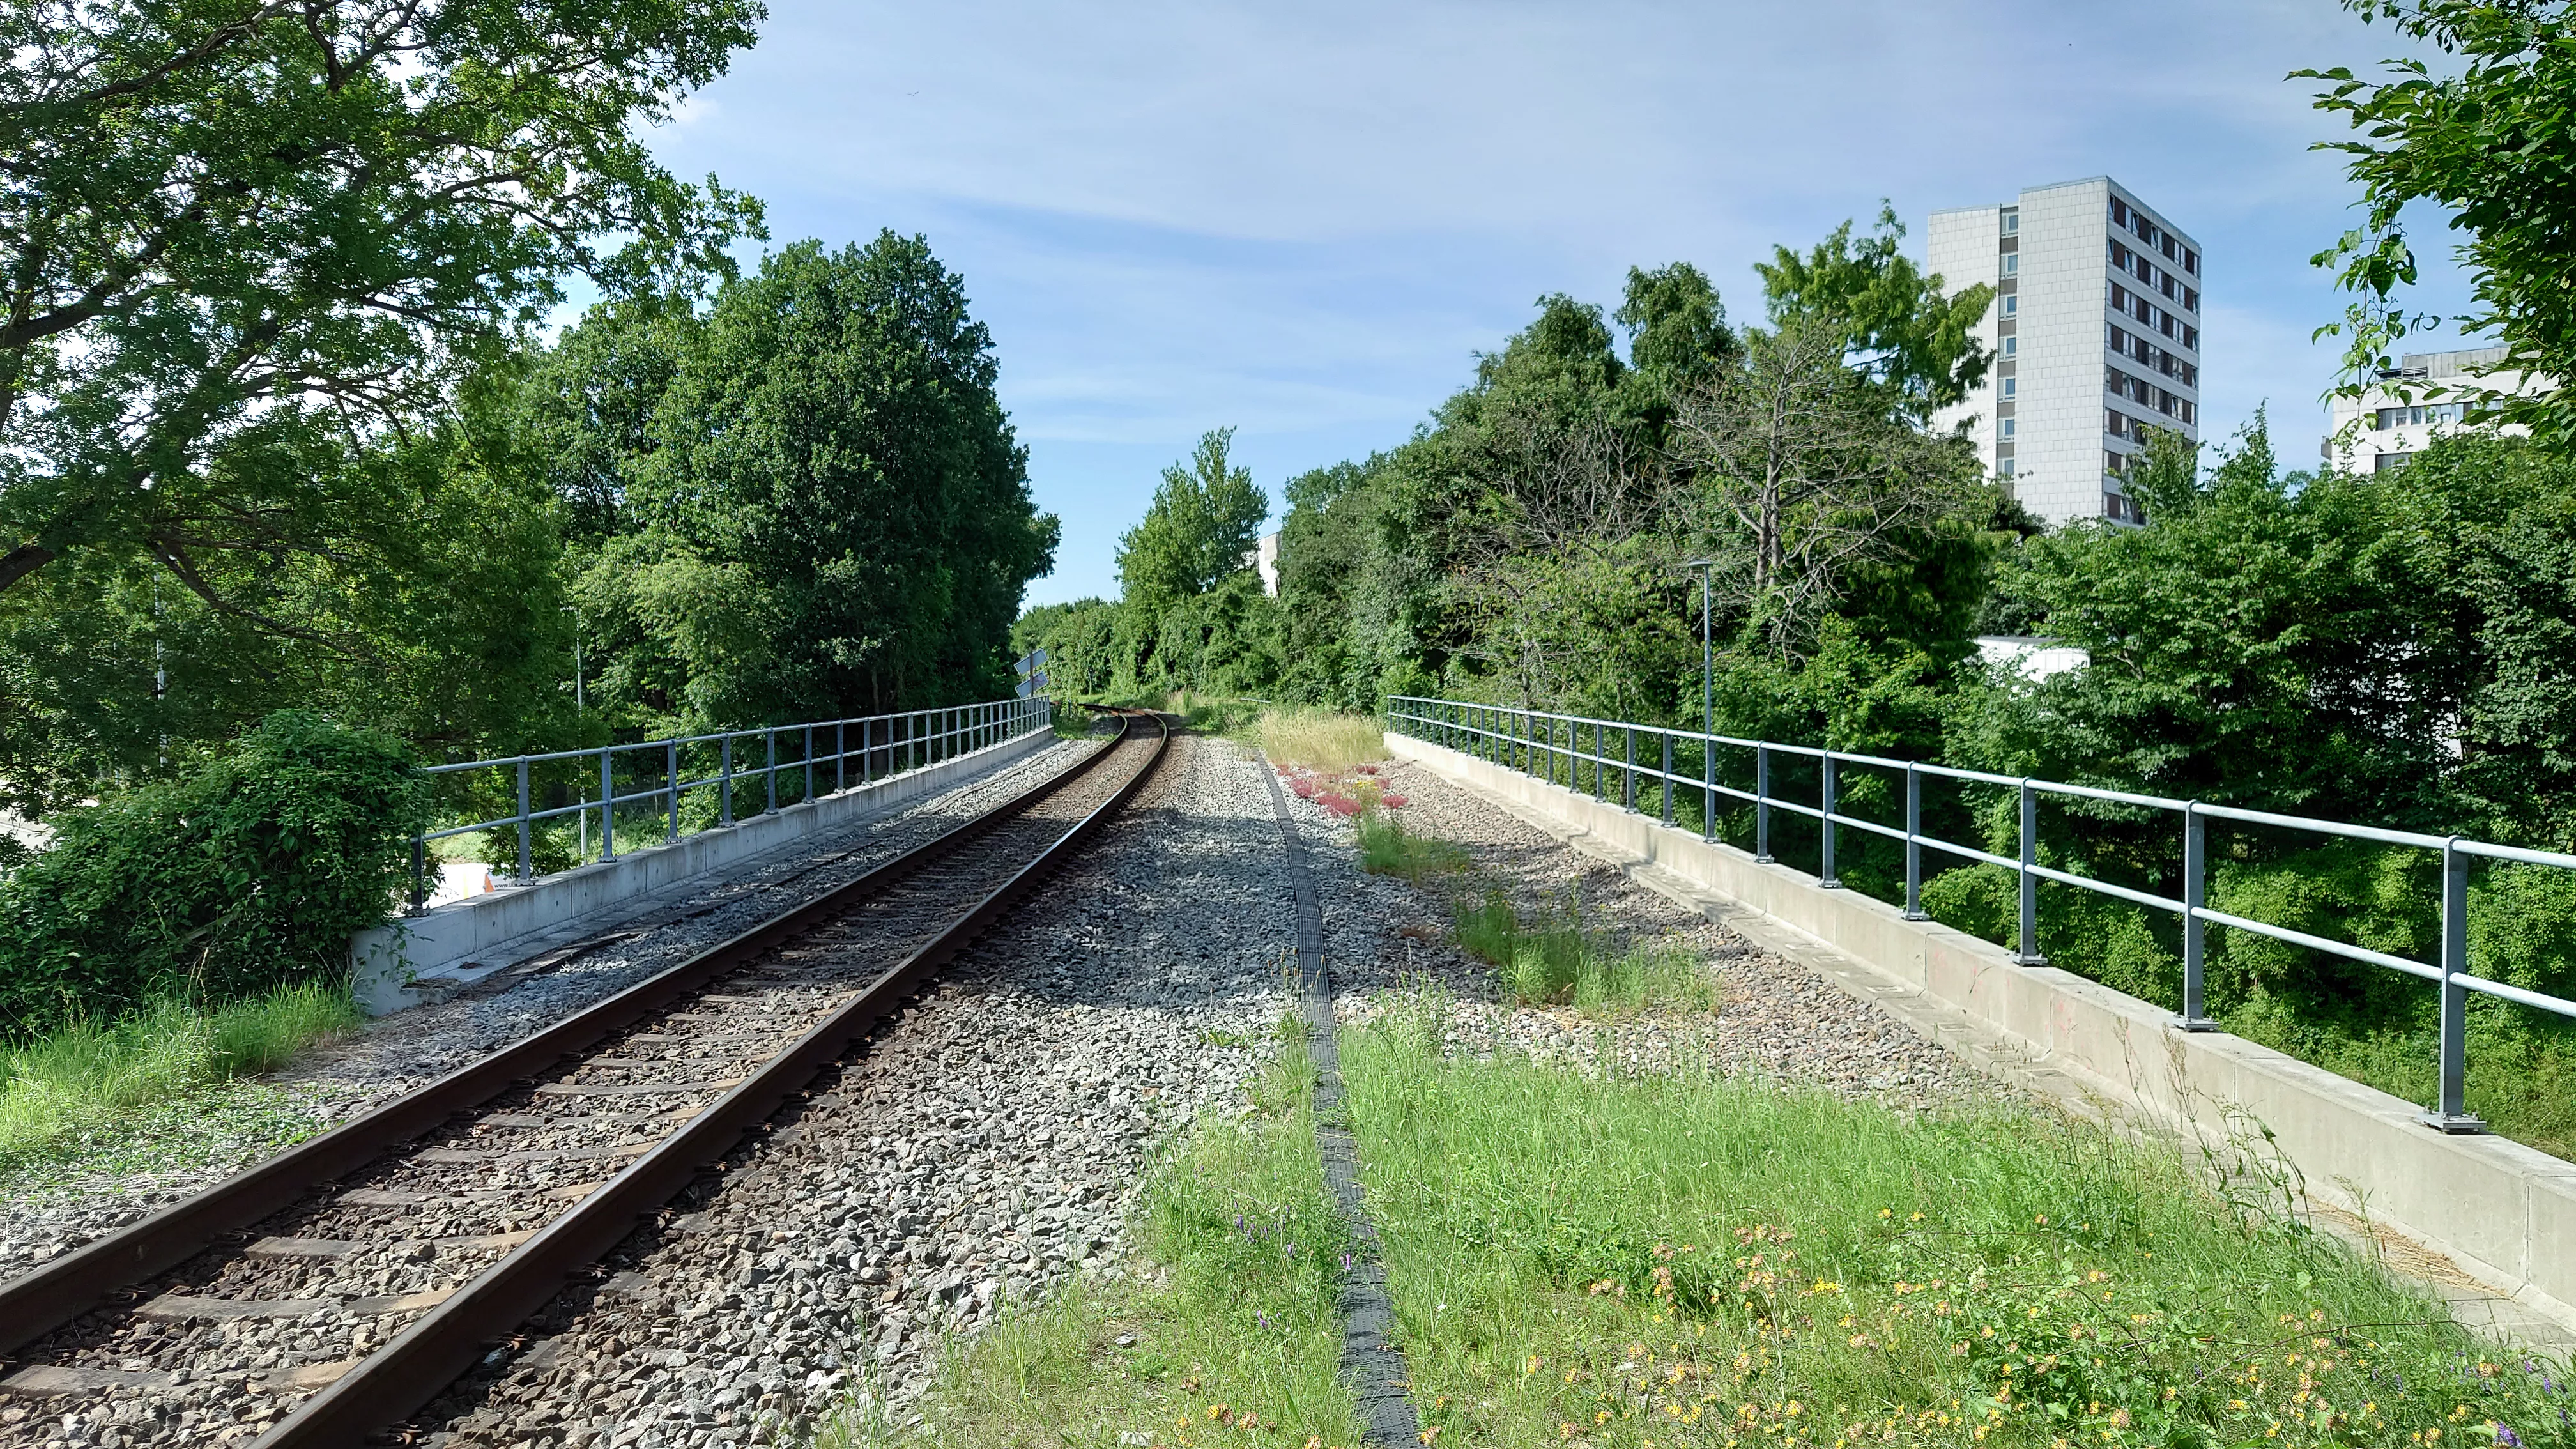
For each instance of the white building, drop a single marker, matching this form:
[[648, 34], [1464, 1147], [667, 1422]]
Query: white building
[[2096, 336], [1265, 560], [2422, 395]]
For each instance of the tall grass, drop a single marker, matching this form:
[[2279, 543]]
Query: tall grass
[[86, 1074], [1226, 1330], [1320, 739], [1691, 1259], [1555, 962]]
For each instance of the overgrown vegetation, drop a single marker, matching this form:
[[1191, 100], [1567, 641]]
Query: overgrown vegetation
[[1225, 1322], [1682, 1259], [83, 1077], [250, 871]]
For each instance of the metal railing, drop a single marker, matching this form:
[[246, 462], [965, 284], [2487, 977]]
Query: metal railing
[[1529, 741], [871, 748]]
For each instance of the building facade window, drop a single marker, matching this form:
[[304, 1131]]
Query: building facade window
[[2011, 345], [2012, 223], [2012, 306], [2408, 416], [2012, 387], [2012, 264]]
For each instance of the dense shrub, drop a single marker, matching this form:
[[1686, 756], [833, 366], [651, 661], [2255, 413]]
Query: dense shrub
[[246, 872]]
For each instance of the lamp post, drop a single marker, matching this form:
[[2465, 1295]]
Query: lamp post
[[1707, 705]]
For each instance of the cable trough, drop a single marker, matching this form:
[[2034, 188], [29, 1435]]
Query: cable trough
[[432, 1227]]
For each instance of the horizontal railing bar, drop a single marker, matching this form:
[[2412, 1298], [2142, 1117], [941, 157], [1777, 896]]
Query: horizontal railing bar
[[2507, 991], [2320, 943], [2515, 853], [758, 732], [2323, 827]]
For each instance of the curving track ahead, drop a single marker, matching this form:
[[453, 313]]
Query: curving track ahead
[[364, 1270]]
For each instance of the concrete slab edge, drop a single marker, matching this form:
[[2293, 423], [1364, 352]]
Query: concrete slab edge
[[465, 940], [2502, 1214]]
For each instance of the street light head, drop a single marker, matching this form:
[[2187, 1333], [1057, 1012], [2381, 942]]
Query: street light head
[[1701, 563]]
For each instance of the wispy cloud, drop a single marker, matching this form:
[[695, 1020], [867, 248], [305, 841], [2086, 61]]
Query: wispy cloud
[[1304, 220]]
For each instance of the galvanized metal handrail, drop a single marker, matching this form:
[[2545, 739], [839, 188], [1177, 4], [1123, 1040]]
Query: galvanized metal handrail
[[1529, 740], [888, 745]]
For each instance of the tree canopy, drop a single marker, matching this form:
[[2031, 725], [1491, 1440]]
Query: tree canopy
[[237, 228], [822, 508], [2495, 146]]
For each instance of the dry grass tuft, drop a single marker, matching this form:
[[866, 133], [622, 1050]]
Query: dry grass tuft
[[1320, 739]]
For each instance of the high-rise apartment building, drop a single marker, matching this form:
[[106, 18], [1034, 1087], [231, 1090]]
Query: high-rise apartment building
[[2095, 332]]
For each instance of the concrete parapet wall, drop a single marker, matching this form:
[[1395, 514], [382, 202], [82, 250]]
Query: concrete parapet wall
[[463, 939], [2504, 1212]]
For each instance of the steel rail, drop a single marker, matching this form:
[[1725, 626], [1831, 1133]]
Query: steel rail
[[38, 1302], [434, 1350]]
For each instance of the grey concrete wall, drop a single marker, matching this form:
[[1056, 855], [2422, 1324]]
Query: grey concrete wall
[[463, 938], [2503, 1211]]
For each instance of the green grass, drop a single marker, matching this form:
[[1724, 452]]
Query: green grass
[[1388, 848], [1690, 1259], [72, 1083], [1558, 963], [1229, 1308]]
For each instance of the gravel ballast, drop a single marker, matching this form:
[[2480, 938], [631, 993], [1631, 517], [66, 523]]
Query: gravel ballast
[[1776, 1019]]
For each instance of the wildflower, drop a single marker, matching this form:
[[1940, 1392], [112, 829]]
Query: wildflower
[[2506, 1437]]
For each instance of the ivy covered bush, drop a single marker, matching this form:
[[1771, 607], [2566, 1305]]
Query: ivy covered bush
[[248, 871]]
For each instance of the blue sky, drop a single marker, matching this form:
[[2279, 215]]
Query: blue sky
[[1303, 221]]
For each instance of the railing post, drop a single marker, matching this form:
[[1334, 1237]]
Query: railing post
[[2195, 931], [724, 807], [840, 755], [1913, 844], [419, 875], [525, 868], [1762, 803], [2452, 1114], [2028, 954], [1628, 781], [607, 805], [1668, 776], [671, 785], [809, 764], [769, 772], [1825, 876]]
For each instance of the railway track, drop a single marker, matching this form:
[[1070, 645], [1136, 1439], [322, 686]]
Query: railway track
[[346, 1282]]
